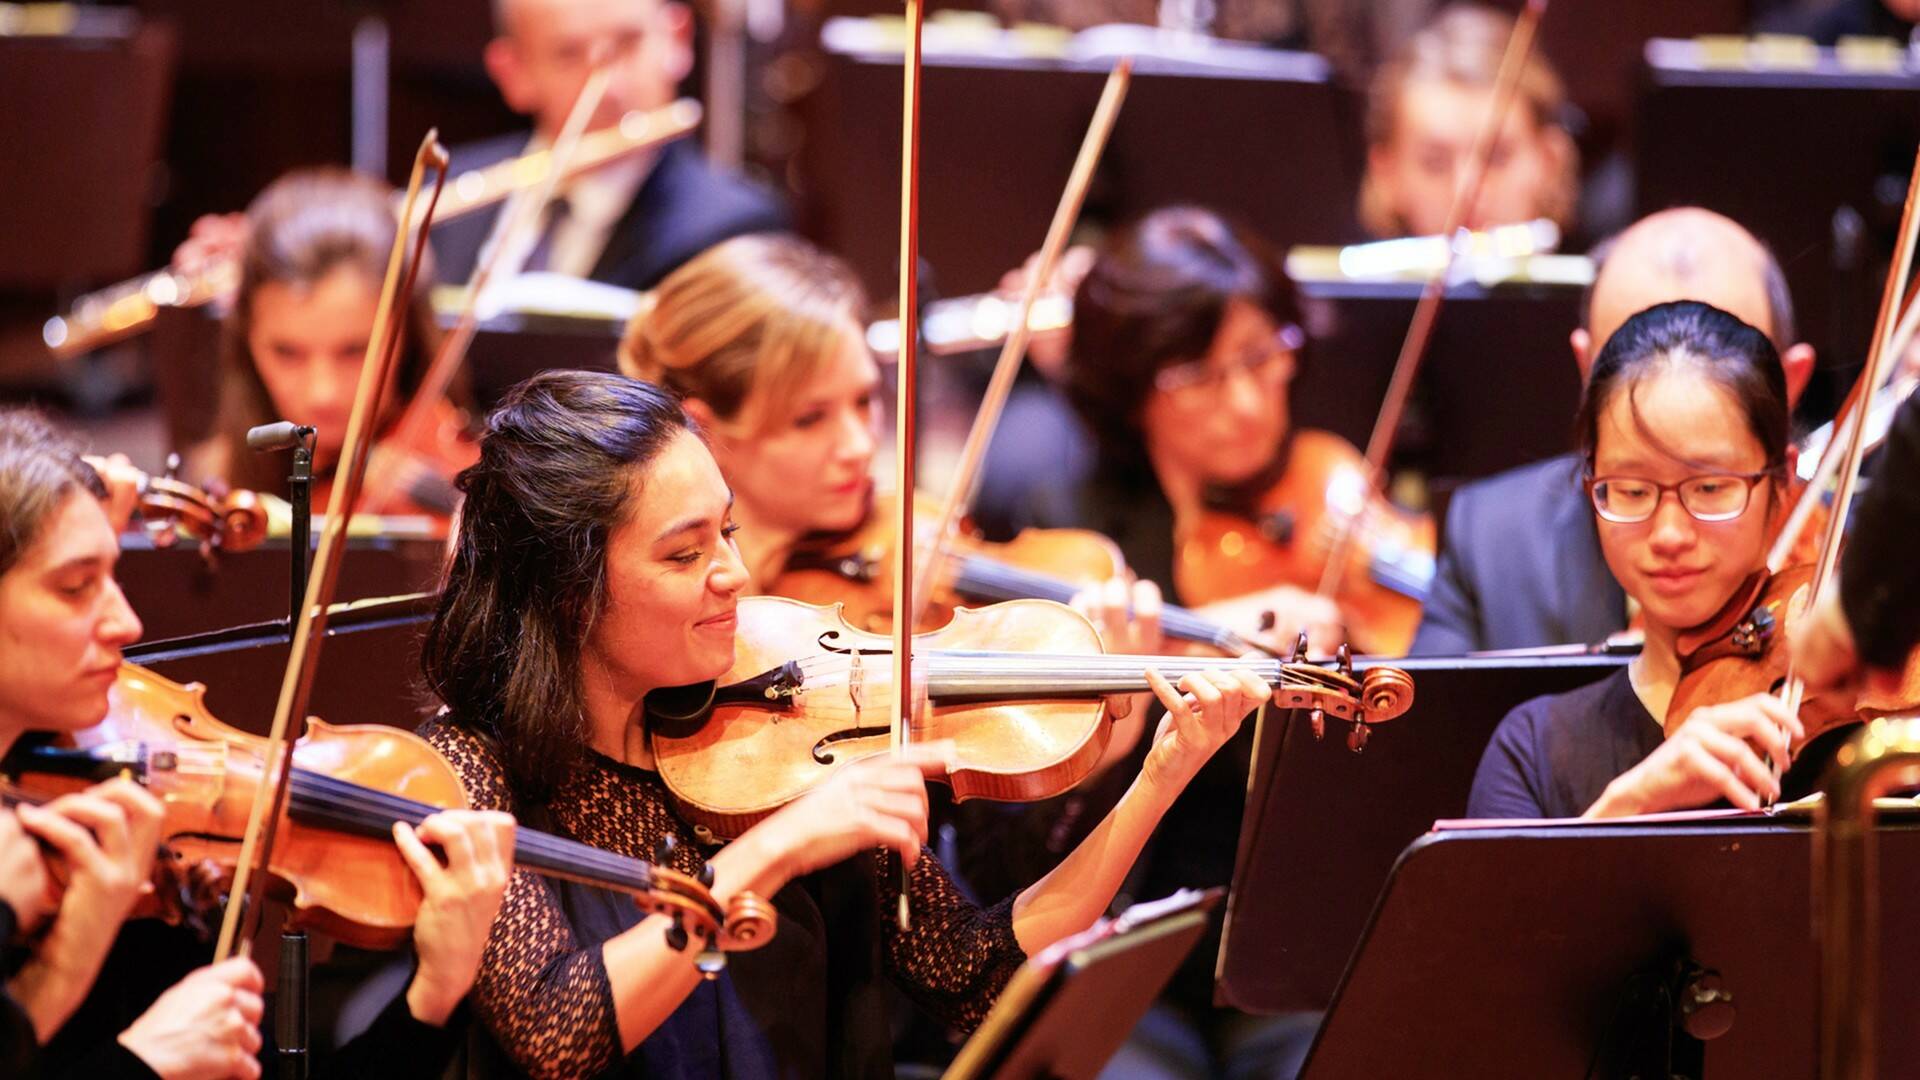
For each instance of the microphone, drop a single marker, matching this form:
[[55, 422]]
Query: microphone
[[280, 436]]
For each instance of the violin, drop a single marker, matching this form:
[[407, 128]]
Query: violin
[[169, 507], [335, 855], [1286, 535], [1745, 650], [855, 568], [1019, 687], [411, 471]]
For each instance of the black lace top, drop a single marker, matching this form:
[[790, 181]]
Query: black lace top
[[812, 1002]]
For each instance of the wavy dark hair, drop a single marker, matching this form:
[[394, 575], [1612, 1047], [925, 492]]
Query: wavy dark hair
[[1154, 298], [558, 471], [39, 468], [1736, 356]]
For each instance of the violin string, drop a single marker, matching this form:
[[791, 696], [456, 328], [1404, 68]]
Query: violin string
[[375, 811]]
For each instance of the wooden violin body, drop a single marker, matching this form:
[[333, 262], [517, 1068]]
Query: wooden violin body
[[855, 569], [334, 858], [1746, 650], [1019, 688], [413, 474], [1287, 536]]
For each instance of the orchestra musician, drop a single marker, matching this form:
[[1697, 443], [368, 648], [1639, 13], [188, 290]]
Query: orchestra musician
[[632, 220], [1425, 108], [1520, 561], [595, 561], [63, 625], [314, 254], [1683, 431]]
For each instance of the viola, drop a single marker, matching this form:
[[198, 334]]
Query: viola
[[335, 854], [1287, 535], [855, 568], [1019, 687]]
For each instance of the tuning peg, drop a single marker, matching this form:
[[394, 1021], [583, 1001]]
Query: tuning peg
[[1300, 648], [706, 874], [1357, 737], [664, 848], [1345, 657], [1318, 718], [677, 936]]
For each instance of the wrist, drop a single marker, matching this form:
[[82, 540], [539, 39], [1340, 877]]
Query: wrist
[[47, 995], [430, 1004], [759, 861]]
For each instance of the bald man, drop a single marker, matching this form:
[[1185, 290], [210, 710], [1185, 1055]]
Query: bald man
[[1520, 563], [633, 221]]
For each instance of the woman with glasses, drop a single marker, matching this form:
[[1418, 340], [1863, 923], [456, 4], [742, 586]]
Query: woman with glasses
[[1684, 429]]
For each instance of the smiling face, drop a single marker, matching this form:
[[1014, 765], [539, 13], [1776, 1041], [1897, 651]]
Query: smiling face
[[803, 465], [1681, 570], [1227, 425], [63, 622], [674, 577]]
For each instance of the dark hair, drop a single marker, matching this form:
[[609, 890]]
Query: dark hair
[[39, 468], [1154, 298], [1736, 356], [557, 473], [303, 227]]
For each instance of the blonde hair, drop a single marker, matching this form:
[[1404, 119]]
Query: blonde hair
[[1463, 45], [743, 325]]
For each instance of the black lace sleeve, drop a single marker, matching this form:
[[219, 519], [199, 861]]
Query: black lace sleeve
[[546, 999], [957, 956]]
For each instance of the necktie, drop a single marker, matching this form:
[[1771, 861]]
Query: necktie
[[557, 213]]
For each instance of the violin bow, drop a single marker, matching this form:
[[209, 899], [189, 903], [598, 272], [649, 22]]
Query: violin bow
[[900, 724], [974, 451], [521, 213], [1386, 426], [244, 901], [1794, 688], [1858, 404]]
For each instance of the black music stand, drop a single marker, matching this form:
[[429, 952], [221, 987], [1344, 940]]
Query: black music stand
[[1322, 826], [1603, 950], [1067, 1010]]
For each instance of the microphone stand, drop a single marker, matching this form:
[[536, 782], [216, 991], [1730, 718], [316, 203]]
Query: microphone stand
[[300, 493]]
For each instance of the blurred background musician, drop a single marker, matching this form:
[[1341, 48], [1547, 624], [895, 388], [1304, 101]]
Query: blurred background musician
[[314, 254], [631, 221], [1425, 107], [1520, 564]]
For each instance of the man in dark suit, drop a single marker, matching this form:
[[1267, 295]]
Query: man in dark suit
[[634, 220], [1520, 563]]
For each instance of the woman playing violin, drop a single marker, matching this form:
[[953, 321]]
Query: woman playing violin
[[596, 561], [312, 255], [1684, 429], [63, 624]]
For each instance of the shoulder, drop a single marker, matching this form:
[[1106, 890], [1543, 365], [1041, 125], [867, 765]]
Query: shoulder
[[474, 757], [726, 201], [1551, 478], [484, 152]]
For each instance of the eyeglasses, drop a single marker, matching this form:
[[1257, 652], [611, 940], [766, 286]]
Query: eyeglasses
[[1198, 381], [1628, 500]]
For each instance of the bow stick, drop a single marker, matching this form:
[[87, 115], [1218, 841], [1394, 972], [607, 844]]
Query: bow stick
[[973, 452], [900, 724], [256, 845], [1794, 688], [1386, 427]]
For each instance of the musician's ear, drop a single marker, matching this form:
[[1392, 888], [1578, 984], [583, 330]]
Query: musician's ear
[[677, 20], [508, 70], [1798, 364], [1582, 343]]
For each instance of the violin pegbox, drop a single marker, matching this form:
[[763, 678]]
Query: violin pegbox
[[1380, 695]]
